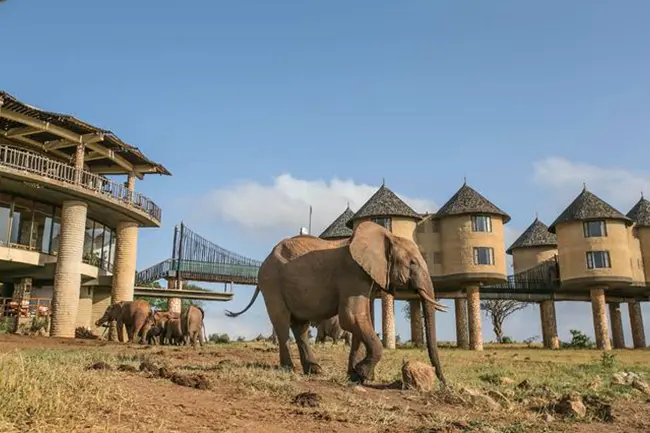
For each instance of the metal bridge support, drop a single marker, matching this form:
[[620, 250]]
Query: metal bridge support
[[549, 325], [462, 331], [388, 320], [599, 310], [67, 276], [636, 322], [617, 325], [417, 325], [474, 313]]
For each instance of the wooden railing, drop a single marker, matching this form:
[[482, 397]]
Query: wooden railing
[[52, 169]]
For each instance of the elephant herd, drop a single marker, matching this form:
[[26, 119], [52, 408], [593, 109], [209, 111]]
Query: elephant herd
[[144, 325]]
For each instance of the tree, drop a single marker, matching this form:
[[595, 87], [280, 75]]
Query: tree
[[161, 303], [498, 311]]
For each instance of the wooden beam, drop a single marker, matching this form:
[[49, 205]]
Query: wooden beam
[[92, 156], [66, 134], [39, 146], [19, 132], [58, 144]]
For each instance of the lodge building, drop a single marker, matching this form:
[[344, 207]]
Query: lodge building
[[591, 252]]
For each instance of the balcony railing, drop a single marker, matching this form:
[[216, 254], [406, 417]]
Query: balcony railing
[[43, 166]]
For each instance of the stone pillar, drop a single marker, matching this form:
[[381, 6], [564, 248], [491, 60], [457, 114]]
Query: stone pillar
[[549, 324], [388, 320], [21, 296], [173, 304], [617, 325], [372, 311], [636, 323], [79, 161], [599, 310], [130, 185], [67, 276], [126, 249], [462, 331], [474, 316], [417, 325]]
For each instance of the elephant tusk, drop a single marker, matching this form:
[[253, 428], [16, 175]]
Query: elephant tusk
[[436, 305]]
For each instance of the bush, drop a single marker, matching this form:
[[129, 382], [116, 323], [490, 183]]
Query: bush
[[578, 341], [530, 340], [507, 340], [240, 339], [219, 338]]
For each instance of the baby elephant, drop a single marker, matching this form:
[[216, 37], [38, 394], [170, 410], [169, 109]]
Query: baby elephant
[[192, 324], [331, 328]]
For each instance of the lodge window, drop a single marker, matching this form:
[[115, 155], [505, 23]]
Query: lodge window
[[437, 258], [435, 225], [481, 223], [383, 221], [483, 256], [598, 260], [594, 229]]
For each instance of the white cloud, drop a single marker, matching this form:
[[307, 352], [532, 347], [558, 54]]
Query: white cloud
[[284, 204], [565, 178]]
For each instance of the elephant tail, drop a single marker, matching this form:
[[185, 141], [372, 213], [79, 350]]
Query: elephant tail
[[250, 304]]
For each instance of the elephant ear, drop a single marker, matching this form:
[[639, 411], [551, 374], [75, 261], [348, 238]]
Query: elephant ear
[[371, 248]]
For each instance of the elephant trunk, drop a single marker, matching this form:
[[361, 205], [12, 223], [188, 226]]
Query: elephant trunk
[[432, 346]]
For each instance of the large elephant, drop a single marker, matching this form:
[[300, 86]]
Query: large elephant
[[307, 279], [174, 332], [192, 324], [130, 314], [332, 328]]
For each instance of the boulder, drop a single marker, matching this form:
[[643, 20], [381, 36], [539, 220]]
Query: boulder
[[418, 375]]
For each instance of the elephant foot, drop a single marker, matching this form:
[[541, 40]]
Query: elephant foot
[[288, 368], [312, 368], [364, 371]]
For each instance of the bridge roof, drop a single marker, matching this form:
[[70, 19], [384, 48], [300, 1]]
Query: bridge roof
[[59, 134]]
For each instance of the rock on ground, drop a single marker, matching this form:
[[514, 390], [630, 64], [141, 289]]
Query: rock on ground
[[571, 405], [418, 375]]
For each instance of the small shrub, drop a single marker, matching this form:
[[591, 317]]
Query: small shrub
[[608, 360], [240, 339], [219, 338], [578, 340], [507, 340], [531, 340]]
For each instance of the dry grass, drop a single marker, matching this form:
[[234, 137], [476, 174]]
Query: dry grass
[[51, 390]]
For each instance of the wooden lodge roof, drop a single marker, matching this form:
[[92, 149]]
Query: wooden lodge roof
[[384, 202], [640, 213], [338, 228], [587, 206], [536, 235], [469, 201], [58, 135]]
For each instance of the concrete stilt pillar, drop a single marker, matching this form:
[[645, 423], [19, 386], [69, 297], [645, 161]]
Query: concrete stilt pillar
[[474, 316], [126, 249], [174, 305], [636, 322], [549, 325], [462, 330], [417, 324], [372, 311], [617, 325], [388, 320], [67, 276], [22, 293], [599, 310]]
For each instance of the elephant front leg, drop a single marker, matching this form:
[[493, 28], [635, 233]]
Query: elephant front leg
[[120, 331], [354, 355], [307, 358], [355, 317]]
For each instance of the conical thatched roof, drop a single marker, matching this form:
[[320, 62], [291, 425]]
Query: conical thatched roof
[[468, 201], [338, 229], [536, 235], [384, 203], [587, 206], [640, 213]]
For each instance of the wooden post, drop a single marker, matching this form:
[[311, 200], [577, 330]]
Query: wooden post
[[79, 162]]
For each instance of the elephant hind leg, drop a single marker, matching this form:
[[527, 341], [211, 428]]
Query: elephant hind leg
[[281, 321], [307, 358]]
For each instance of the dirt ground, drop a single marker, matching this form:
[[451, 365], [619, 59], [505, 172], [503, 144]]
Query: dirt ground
[[247, 393]]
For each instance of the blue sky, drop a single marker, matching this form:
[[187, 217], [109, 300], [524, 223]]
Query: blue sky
[[316, 102]]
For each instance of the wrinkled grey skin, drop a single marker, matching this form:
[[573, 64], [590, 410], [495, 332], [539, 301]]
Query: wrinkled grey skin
[[130, 314], [192, 325], [331, 328], [306, 279], [174, 332]]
